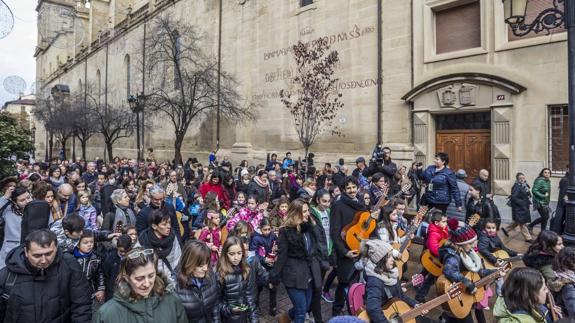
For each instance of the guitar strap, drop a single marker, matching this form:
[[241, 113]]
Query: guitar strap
[[387, 291]]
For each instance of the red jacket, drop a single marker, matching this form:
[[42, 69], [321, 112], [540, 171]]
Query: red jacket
[[222, 197], [434, 235]]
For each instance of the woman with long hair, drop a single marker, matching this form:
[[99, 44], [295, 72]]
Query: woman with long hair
[[298, 260], [141, 293], [143, 196], [197, 284], [541, 197], [541, 253]]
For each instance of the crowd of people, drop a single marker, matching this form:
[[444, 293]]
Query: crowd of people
[[139, 241]]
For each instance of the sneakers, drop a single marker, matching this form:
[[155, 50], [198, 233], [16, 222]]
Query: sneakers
[[326, 296]]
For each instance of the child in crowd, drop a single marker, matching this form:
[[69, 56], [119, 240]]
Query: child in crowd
[[541, 253], [210, 202], [91, 265], [489, 242], [195, 207], [238, 204], [252, 214], [238, 302], [69, 230], [564, 266], [111, 263], [241, 230], [133, 233], [389, 225], [382, 278], [211, 234], [264, 245], [86, 210], [278, 214], [437, 232], [524, 298]]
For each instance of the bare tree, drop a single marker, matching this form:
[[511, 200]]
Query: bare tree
[[190, 91], [313, 101], [84, 118], [57, 116]]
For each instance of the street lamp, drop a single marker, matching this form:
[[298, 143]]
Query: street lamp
[[548, 19], [137, 106]]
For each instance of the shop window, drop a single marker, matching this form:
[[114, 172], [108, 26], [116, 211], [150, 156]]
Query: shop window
[[558, 138], [458, 28]]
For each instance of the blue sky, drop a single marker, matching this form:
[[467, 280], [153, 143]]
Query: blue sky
[[17, 49]]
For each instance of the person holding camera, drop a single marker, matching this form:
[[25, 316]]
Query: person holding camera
[[381, 162]]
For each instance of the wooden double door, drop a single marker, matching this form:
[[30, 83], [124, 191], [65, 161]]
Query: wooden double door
[[467, 149]]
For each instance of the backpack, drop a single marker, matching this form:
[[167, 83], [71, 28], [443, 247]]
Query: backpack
[[355, 298]]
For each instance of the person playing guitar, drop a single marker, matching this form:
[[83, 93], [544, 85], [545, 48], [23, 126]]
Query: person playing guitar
[[382, 279], [458, 257]]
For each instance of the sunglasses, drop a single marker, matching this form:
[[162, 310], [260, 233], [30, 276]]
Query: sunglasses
[[139, 253]]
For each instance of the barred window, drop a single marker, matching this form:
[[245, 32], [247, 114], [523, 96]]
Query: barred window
[[558, 138]]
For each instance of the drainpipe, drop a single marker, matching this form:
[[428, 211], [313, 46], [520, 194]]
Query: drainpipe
[[379, 71], [219, 76]]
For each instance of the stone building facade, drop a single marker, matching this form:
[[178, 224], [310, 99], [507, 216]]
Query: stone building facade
[[454, 77]]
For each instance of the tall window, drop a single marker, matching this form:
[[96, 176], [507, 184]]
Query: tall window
[[534, 8], [458, 28], [558, 138], [127, 69], [304, 3]]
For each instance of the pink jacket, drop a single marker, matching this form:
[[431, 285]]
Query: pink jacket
[[253, 218]]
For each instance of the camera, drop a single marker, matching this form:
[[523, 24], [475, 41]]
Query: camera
[[377, 155]]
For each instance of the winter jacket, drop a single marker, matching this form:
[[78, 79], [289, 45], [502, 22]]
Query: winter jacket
[[219, 189], [453, 268], [121, 308], [68, 207], [143, 219], [263, 246], [111, 268], [541, 191], [377, 294], [201, 300], [434, 235], [253, 218], [88, 213], [120, 217], [234, 289], [10, 229], [324, 222], [169, 263], [485, 186], [57, 294], [463, 188], [388, 169], [503, 315], [342, 214], [541, 261], [444, 186], [262, 194], [92, 268], [487, 245], [298, 262], [520, 201]]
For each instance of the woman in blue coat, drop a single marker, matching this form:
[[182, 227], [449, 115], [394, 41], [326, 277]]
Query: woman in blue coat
[[441, 184]]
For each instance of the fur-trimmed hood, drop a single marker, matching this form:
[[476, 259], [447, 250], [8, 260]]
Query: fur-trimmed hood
[[537, 259]]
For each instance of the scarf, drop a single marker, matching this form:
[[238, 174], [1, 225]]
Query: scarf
[[388, 278], [568, 276], [80, 254], [471, 261], [261, 182], [16, 209], [353, 203], [163, 247]]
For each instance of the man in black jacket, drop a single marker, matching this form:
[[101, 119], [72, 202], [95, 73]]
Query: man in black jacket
[[157, 197], [381, 163], [42, 284]]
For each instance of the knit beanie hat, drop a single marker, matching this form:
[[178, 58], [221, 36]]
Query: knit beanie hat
[[375, 249], [461, 235]]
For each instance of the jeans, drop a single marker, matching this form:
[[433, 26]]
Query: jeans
[[544, 213], [301, 300]]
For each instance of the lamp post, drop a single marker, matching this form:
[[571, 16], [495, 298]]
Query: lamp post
[[546, 20], [137, 104]]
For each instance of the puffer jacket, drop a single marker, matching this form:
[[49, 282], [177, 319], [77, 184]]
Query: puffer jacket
[[57, 294], [444, 186], [123, 308], [541, 191], [201, 302], [503, 315], [453, 268], [434, 235], [234, 289], [92, 268]]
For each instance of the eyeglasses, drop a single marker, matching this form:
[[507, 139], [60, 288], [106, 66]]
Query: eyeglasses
[[138, 253]]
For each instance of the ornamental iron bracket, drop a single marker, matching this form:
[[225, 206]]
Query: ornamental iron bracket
[[546, 20]]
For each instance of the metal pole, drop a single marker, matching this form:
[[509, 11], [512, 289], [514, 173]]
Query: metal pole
[[569, 233], [379, 71], [219, 77], [143, 141]]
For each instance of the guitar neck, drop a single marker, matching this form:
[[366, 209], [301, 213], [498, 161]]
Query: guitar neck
[[487, 279], [415, 312], [406, 241]]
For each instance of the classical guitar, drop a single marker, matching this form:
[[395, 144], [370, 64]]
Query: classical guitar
[[431, 263], [461, 306], [365, 222], [500, 255], [402, 247], [397, 311]]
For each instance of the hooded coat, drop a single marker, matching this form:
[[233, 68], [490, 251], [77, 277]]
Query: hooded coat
[[503, 315], [56, 294]]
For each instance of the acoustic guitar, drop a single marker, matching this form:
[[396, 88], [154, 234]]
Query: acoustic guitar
[[500, 255], [555, 315], [461, 306], [365, 222], [431, 263], [397, 311], [402, 247]]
